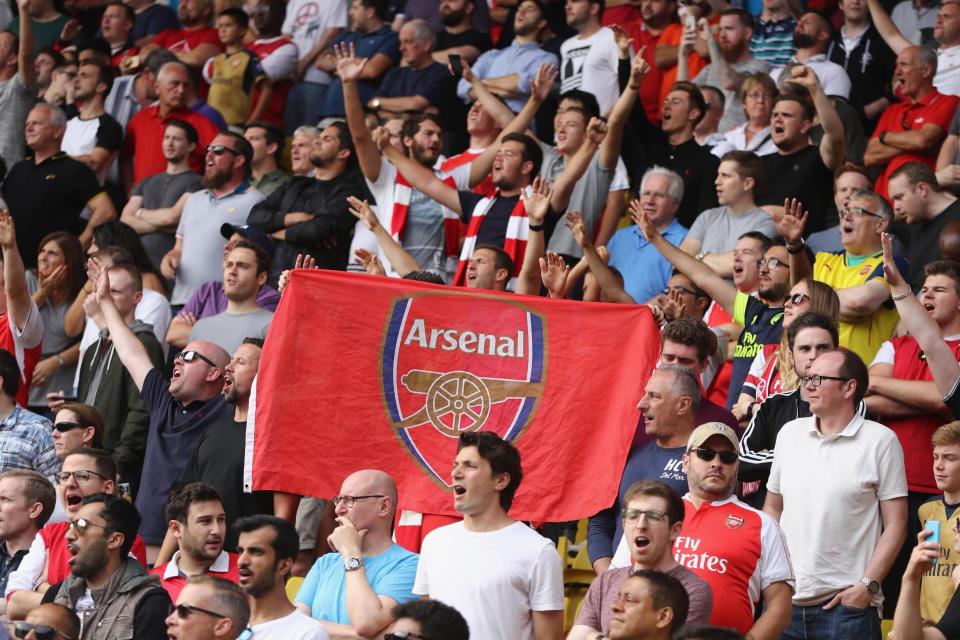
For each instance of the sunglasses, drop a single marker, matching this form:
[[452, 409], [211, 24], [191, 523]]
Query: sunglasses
[[404, 635], [82, 477], [63, 427], [707, 454], [219, 149], [184, 611], [81, 525], [797, 298], [190, 356], [42, 631]]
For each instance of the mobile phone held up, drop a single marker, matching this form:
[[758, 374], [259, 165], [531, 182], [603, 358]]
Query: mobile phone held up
[[456, 64]]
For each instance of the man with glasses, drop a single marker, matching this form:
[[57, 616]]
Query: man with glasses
[[227, 197], [209, 608], [867, 315], [738, 550], [652, 516], [354, 589], [838, 488], [49, 622], [427, 620], [85, 472], [268, 548], [111, 592], [180, 411]]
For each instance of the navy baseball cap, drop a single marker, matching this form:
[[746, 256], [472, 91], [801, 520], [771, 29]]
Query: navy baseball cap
[[253, 234]]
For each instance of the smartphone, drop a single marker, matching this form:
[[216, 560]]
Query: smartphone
[[68, 398], [933, 525], [456, 64]]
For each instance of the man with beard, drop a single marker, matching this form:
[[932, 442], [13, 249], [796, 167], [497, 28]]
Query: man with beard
[[268, 547], [812, 39], [244, 274], [179, 411], [799, 167], [142, 154], [731, 62], [198, 523], [110, 591], [93, 137], [309, 215], [458, 35], [740, 551], [227, 198], [85, 472]]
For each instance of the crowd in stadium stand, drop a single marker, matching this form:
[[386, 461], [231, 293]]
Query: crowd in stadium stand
[[776, 181]]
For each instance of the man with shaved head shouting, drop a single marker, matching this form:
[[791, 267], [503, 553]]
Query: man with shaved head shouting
[[353, 590], [180, 411]]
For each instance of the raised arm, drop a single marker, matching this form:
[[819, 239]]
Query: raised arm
[[790, 225], [26, 65], [608, 282], [536, 203], [703, 276], [577, 165], [402, 262], [610, 147], [131, 351], [420, 177], [495, 107], [14, 274], [886, 27], [350, 68], [832, 143]]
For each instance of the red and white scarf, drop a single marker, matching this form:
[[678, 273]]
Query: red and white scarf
[[515, 243], [402, 192]]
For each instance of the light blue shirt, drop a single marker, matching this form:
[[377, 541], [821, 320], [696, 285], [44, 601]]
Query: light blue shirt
[[324, 589], [522, 59], [645, 272]]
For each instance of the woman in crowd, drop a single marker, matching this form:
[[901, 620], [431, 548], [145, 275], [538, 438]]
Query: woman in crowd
[[771, 371], [54, 285], [77, 425], [122, 235], [757, 94]]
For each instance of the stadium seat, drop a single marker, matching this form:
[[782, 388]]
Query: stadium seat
[[293, 585]]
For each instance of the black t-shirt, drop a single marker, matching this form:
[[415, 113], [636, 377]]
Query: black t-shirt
[[493, 229], [470, 37], [949, 624], [47, 197], [922, 240], [800, 175], [218, 462]]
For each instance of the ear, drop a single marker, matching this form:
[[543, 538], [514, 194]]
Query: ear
[[502, 275], [693, 118], [262, 278], [138, 296], [88, 435], [284, 567], [115, 540], [748, 184], [882, 225], [223, 627], [503, 479], [175, 527], [686, 466], [664, 618], [675, 528], [272, 148], [214, 373], [343, 154], [526, 167], [34, 511], [110, 487], [683, 405]]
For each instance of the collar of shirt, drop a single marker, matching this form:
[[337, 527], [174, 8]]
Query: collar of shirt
[[709, 503], [241, 188], [220, 565], [849, 431], [673, 229], [820, 57]]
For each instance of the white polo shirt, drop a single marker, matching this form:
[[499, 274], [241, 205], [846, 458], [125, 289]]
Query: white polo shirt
[[832, 488]]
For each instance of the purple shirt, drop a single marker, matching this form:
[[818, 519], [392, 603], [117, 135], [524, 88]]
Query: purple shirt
[[209, 300], [598, 603]]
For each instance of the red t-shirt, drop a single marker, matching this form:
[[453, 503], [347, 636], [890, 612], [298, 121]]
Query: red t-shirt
[[914, 432], [933, 108], [671, 36], [650, 87], [720, 386], [144, 140], [223, 567], [27, 362], [58, 558], [181, 40]]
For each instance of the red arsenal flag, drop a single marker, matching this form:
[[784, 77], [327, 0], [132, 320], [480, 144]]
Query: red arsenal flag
[[363, 372]]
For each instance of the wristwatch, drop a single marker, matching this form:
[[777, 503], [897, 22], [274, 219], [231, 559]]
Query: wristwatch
[[375, 104], [352, 564], [872, 585], [701, 255]]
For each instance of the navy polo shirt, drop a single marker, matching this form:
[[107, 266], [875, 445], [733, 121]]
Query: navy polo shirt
[[174, 433]]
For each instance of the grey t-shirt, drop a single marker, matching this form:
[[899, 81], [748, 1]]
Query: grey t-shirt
[[228, 330], [423, 235], [733, 115], [161, 191], [718, 229], [15, 101], [202, 257], [55, 340], [589, 197]]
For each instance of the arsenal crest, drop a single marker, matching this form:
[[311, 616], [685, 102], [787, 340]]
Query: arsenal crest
[[734, 522], [453, 363]]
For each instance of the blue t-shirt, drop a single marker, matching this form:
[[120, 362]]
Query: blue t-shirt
[[324, 589]]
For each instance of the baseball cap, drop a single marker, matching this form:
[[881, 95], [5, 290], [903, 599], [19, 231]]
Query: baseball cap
[[709, 429], [253, 234]]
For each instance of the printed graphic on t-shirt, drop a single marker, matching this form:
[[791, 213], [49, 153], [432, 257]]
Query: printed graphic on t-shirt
[[571, 75]]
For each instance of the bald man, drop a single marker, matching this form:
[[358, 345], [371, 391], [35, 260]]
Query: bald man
[[180, 411], [354, 589], [950, 241], [62, 619]]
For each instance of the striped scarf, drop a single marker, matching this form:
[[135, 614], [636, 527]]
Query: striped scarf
[[515, 243]]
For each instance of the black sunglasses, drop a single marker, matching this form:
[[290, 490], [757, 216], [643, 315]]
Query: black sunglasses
[[404, 635], [63, 427], [706, 454], [190, 356], [220, 149], [42, 631], [184, 611]]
